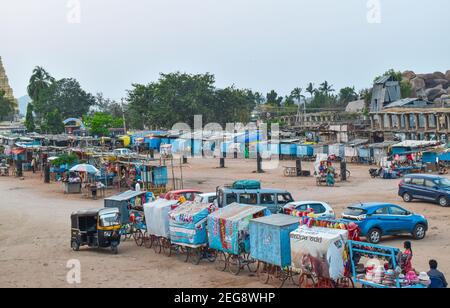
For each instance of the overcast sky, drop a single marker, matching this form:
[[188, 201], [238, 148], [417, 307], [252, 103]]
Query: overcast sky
[[257, 44]]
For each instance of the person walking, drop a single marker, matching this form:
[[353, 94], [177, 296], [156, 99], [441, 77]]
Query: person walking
[[33, 165]]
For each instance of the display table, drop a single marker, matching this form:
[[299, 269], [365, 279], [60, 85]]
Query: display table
[[72, 188]]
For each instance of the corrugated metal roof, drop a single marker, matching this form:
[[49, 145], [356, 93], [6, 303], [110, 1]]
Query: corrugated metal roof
[[406, 101], [126, 195]]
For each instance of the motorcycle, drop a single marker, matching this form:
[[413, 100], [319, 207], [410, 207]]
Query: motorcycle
[[374, 173]]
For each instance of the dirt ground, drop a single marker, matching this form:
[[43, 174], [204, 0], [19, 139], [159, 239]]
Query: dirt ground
[[35, 230]]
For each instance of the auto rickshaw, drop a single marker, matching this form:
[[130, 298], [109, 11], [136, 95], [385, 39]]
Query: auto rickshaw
[[97, 228]]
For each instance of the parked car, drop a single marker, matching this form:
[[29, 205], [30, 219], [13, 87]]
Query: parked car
[[425, 187], [206, 198], [273, 199], [188, 194], [321, 209], [379, 219]]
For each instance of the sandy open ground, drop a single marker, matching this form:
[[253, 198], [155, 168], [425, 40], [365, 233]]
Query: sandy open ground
[[35, 230]]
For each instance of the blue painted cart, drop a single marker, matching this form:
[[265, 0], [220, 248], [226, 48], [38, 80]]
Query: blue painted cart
[[187, 227], [228, 234], [270, 245], [361, 249]]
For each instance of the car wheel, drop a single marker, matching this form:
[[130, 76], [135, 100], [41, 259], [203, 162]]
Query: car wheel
[[374, 236], [419, 232], [407, 197], [443, 201]]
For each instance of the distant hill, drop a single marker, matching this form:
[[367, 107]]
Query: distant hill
[[23, 103]]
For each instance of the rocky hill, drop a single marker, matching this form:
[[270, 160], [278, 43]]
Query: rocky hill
[[435, 87]]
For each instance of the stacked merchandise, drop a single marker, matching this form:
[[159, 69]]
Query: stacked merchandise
[[381, 269], [187, 223]]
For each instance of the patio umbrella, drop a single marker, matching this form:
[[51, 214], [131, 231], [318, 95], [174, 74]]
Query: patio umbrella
[[85, 168]]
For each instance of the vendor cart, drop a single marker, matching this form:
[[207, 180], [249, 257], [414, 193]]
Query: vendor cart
[[318, 254], [386, 275], [187, 225], [228, 234], [270, 246], [158, 227]]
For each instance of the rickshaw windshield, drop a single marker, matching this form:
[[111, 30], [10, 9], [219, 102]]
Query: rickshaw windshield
[[110, 219]]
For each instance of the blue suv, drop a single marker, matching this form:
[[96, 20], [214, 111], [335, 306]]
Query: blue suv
[[425, 187], [378, 219]]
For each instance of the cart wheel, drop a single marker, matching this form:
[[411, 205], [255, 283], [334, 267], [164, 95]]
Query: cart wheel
[[262, 272], [196, 255], [283, 276], [252, 264], [221, 261], [187, 254], [148, 240], [139, 238], [167, 247], [234, 264], [157, 246], [75, 246], [182, 253], [211, 255], [307, 281]]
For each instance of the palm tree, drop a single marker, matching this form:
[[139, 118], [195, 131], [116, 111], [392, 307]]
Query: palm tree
[[310, 89], [297, 94], [326, 88], [40, 80]]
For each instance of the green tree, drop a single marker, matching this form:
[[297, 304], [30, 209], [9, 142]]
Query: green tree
[[346, 95], [326, 88], [100, 123], [297, 95], [273, 99], [177, 97], [67, 96], [107, 105], [6, 106], [53, 123], [311, 89], [40, 81], [29, 118]]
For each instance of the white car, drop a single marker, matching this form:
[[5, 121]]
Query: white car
[[206, 198], [321, 209]]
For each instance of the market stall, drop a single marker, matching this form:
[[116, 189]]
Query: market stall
[[376, 266], [228, 233], [270, 245]]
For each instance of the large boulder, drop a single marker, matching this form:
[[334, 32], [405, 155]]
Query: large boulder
[[408, 75], [435, 93], [417, 83], [447, 75], [438, 75]]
